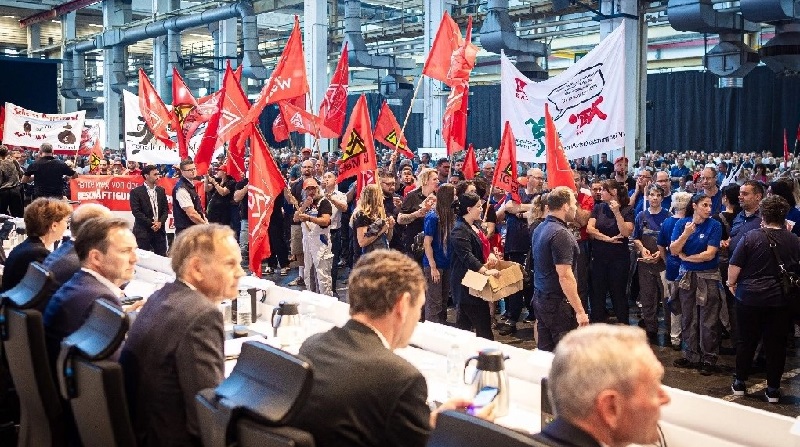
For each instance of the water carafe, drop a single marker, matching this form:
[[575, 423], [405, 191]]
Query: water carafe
[[286, 323], [490, 371]]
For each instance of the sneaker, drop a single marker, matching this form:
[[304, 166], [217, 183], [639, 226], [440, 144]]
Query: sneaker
[[707, 369], [738, 387], [683, 362], [296, 282], [268, 270], [773, 395], [506, 329], [285, 271], [676, 344]]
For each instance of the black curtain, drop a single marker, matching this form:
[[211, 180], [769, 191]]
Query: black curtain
[[29, 83]]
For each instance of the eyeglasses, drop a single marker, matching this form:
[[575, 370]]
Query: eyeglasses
[[189, 170]]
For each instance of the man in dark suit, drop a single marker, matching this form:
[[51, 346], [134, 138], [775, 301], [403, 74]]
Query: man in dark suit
[[150, 210], [63, 262], [107, 251], [605, 387], [174, 348], [386, 406]]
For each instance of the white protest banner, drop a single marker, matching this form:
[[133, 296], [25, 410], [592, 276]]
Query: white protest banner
[[27, 128], [587, 101]]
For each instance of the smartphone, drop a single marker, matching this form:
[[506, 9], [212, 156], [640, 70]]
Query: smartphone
[[484, 397]]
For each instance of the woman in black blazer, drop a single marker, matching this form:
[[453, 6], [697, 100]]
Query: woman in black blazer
[[467, 254]]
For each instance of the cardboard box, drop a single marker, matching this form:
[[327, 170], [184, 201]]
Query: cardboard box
[[492, 288]]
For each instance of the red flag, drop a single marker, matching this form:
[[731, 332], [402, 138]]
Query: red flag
[[183, 103], [2, 121], [454, 121], [95, 155], [389, 133], [155, 114], [234, 162], [208, 144], [334, 104], [234, 107], [358, 145], [559, 173], [280, 131], [448, 39], [470, 164], [505, 173], [298, 120], [363, 179], [288, 80], [463, 59], [237, 73], [266, 182], [785, 150]]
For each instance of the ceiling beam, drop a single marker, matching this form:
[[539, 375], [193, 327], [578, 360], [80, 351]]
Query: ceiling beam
[[56, 12]]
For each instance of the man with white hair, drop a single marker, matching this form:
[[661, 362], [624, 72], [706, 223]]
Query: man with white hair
[[605, 387]]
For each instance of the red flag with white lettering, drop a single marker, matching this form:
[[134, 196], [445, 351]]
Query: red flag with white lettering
[[470, 164], [559, 173], [280, 131], [358, 145], [155, 114], [334, 104], [388, 131], [234, 106], [505, 173], [210, 104], [266, 182], [298, 120], [454, 121]]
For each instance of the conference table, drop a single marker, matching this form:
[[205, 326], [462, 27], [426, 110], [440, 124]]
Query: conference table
[[689, 420]]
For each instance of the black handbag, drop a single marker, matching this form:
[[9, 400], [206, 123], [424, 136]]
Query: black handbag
[[788, 277]]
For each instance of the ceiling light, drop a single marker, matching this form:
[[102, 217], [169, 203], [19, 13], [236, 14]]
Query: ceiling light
[[94, 25], [10, 17], [198, 35]]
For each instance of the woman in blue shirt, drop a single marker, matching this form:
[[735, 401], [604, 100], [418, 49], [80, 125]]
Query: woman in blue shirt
[[436, 262], [696, 241], [680, 201]]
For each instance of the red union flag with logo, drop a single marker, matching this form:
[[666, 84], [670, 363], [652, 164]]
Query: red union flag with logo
[[266, 182], [587, 103], [358, 146], [505, 173]]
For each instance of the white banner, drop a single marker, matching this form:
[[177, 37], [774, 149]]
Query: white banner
[[140, 144], [587, 102], [27, 128]]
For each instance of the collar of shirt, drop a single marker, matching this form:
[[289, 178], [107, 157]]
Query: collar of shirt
[[379, 334], [104, 281], [187, 284]]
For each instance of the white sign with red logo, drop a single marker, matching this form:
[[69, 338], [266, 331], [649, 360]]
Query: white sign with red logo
[[27, 128], [587, 102]]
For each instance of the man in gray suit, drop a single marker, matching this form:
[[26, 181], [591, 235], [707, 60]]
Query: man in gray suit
[[174, 348], [63, 262], [385, 405]]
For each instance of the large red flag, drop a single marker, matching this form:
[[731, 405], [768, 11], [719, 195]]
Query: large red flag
[[298, 120], [183, 103], [210, 112], [389, 133], [288, 80], [559, 173], [358, 145], [463, 59], [234, 162], [785, 150], [155, 114], [334, 104], [234, 107], [448, 39], [280, 131], [505, 173], [454, 121], [470, 164], [95, 155], [266, 182]]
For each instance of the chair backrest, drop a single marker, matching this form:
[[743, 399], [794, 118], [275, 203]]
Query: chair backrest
[[41, 413], [35, 289], [93, 385], [265, 389], [456, 429]]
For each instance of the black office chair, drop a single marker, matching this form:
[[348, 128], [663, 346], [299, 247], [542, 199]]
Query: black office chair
[[22, 332], [456, 429], [253, 405], [93, 385]]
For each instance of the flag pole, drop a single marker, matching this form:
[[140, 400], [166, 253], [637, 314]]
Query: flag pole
[[486, 211], [408, 112]]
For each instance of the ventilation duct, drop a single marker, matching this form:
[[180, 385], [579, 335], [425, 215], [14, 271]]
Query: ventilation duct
[[74, 59], [498, 33], [252, 67], [731, 57], [66, 73], [358, 54], [782, 53]]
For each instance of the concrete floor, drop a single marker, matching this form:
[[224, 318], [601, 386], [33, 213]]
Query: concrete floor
[[717, 385]]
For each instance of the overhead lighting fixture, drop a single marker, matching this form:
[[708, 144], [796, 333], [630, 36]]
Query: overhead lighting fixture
[[11, 17], [198, 35], [94, 25], [55, 21]]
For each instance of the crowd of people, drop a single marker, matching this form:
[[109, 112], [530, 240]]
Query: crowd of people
[[695, 239]]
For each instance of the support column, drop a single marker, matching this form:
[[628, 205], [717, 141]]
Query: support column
[[34, 33], [173, 55], [115, 13], [635, 70], [315, 46], [160, 7], [68, 32], [432, 95], [226, 46]]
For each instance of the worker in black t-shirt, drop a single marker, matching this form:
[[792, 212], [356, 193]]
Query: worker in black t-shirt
[[48, 173], [416, 204]]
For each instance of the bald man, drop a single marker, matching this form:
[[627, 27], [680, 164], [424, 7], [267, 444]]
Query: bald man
[[63, 262]]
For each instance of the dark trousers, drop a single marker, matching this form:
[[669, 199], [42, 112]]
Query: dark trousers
[[477, 315], [554, 318], [770, 324], [149, 240], [344, 239], [582, 273], [515, 301], [610, 275], [11, 201], [278, 244], [336, 248]]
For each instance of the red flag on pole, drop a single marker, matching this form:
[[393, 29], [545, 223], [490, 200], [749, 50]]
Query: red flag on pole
[[463, 59], [266, 182], [448, 39], [234, 161], [505, 173], [785, 150], [454, 121], [288, 80], [298, 120], [559, 173], [208, 144], [470, 164], [280, 131], [155, 114], [358, 145], [183, 103], [234, 107], [95, 155], [334, 104], [388, 131]]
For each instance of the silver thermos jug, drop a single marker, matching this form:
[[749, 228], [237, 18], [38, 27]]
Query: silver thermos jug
[[286, 323], [491, 372]]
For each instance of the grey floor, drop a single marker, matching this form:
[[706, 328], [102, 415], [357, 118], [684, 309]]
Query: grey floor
[[717, 385]]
